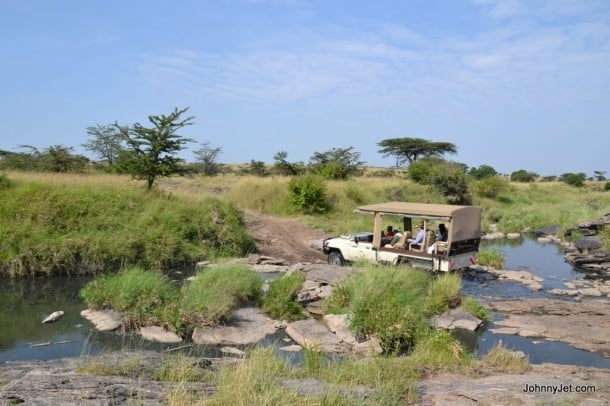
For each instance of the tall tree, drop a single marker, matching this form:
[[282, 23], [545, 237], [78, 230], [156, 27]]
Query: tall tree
[[152, 149], [407, 150], [106, 142], [206, 158]]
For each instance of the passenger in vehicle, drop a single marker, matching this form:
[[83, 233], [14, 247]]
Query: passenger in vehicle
[[440, 236], [419, 238], [387, 236]]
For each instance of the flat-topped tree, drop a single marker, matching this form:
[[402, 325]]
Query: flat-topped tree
[[407, 150], [152, 150]]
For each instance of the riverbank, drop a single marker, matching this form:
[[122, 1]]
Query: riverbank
[[60, 382]]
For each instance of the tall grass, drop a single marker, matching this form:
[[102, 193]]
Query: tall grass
[[279, 301], [148, 298], [491, 257], [63, 225], [215, 292]]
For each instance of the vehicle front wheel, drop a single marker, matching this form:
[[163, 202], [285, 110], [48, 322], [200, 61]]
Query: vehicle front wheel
[[335, 258]]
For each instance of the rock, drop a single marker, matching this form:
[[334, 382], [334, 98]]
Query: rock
[[369, 348], [103, 320], [493, 236], [53, 316], [339, 324], [563, 292], [248, 325], [521, 276], [455, 318], [547, 231], [291, 348], [328, 274], [590, 292], [513, 236], [315, 308], [584, 325], [232, 351], [202, 264], [544, 240], [314, 335], [587, 244], [159, 335]]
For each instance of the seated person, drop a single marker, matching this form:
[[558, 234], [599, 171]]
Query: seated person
[[419, 238], [387, 236], [440, 236]]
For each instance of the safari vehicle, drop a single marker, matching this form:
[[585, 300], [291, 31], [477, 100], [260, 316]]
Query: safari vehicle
[[463, 225]]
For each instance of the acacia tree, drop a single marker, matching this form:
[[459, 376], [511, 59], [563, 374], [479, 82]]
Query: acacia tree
[[282, 166], [337, 163], [106, 142], [206, 158], [407, 150], [152, 150]]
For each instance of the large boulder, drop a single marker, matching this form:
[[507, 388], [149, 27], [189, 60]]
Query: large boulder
[[159, 335], [103, 320]]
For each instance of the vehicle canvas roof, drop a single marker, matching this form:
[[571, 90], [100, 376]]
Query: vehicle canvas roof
[[420, 209], [465, 220]]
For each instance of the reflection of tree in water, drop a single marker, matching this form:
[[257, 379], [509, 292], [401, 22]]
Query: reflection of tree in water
[[25, 302]]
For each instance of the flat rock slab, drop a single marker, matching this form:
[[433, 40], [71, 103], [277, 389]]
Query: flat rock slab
[[510, 389], [315, 335], [247, 326], [159, 335], [457, 318], [584, 325], [103, 320]]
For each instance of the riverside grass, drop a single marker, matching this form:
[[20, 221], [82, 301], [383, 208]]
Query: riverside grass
[[67, 224], [279, 301], [148, 298]]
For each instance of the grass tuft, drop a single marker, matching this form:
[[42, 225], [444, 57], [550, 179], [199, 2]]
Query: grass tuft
[[501, 359], [493, 258], [279, 301]]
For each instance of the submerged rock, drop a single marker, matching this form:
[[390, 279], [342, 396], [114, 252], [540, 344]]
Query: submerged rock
[[457, 318], [316, 336], [103, 320], [159, 335], [53, 316]]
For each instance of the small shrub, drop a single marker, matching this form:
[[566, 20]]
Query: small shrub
[[444, 292], [490, 187], [5, 182], [523, 176], [574, 179], [607, 186], [493, 258], [215, 292], [476, 308], [279, 301], [482, 172], [308, 194], [501, 359], [439, 350], [139, 295]]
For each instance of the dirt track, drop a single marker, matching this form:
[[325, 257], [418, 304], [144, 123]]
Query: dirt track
[[285, 238]]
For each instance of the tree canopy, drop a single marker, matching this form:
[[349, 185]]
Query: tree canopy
[[407, 150], [152, 149], [337, 163], [106, 142]]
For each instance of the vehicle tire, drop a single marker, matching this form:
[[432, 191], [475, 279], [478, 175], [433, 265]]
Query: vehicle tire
[[335, 258]]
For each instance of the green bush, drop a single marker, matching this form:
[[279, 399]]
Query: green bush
[[482, 172], [493, 258], [607, 186], [139, 295], [490, 187], [444, 292], [574, 179], [5, 182], [308, 194], [388, 303], [215, 292], [279, 301], [523, 176], [476, 308]]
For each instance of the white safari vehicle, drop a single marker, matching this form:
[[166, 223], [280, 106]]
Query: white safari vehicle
[[457, 250]]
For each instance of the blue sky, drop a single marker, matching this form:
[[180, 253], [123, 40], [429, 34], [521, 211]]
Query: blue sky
[[515, 84]]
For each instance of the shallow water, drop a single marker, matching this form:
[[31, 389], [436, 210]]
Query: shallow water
[[24, 303]]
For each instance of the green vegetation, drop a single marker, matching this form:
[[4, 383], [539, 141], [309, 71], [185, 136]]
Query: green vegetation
[[308, 194], [76, 225], [392, 304], [279, 301], [476, 308], [148, 298], [215, 292], [491, 257], [490, 187], [501, 359]]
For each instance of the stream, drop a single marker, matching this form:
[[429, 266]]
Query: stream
[[24, 303]]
